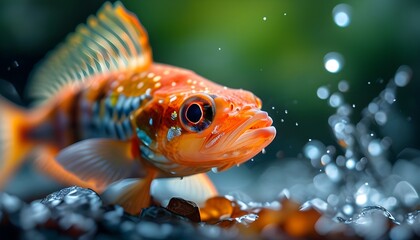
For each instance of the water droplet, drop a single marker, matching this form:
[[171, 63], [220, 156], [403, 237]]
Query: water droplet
[[348, 209], [335, 100], [381, 118], [403, 75], [343, 86], [361, 196], [285, 111], [263, 151], [339, 127], [332, 172], [333, 62], [284, 14], [350, 163], [333, 199], [282, 120], [323, 92], [373, 108], [340, 160], [297, 124], [342, 15], [354, 105], [375, 148], [220, 49], [273, 107], [264, 18], [314, 150]]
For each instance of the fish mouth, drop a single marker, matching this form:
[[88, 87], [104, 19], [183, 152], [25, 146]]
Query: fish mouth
[[242, 141]]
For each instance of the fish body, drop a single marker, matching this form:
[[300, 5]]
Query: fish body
[[107, 112]]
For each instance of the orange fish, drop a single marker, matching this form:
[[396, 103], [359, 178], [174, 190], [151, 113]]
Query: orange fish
[[106, 112]]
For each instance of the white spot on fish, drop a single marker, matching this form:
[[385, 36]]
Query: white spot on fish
[[173, 98], [120, 89], [263, 151], [166, 72], [150, 75], [158, 84], [140, 85], [143, 74], [173, 84], [160, 101], [157, 78], [189, 81]]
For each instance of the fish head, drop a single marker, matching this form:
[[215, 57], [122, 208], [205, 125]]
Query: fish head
[[213, 127]]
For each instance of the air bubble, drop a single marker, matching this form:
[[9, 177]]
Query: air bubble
[[333, 62], [343, 86], [342, 15], [381, 118], [361, 195], [335, 100], [314, 150], [323, 93], [373, 108], [348, 209], [332, 172], [403, 75], [333, 199], [389, 96], [350, 163], [375, 148], [325, 159]]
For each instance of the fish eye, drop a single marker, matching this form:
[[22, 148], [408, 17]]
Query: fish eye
[[197, 113]]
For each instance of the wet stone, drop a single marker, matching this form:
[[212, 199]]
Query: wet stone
[[161, 214], [74, 198], [184, 208]]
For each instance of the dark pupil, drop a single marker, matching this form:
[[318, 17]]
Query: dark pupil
[[194, 113]]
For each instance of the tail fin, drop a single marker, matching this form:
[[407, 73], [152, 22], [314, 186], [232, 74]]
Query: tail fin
[[14, 146]]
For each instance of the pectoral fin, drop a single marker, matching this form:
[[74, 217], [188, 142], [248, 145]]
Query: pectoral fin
[[197, 188], [46, 162], [100, 161]]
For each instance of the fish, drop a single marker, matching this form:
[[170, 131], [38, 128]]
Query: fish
[[104, 111]]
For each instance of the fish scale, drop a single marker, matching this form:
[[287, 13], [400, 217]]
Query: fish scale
[[114, 122]]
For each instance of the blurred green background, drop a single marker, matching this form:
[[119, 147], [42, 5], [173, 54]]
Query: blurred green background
[[272, 48]]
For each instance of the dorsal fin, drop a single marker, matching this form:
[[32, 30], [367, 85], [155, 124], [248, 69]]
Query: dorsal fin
[[113, 40]]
